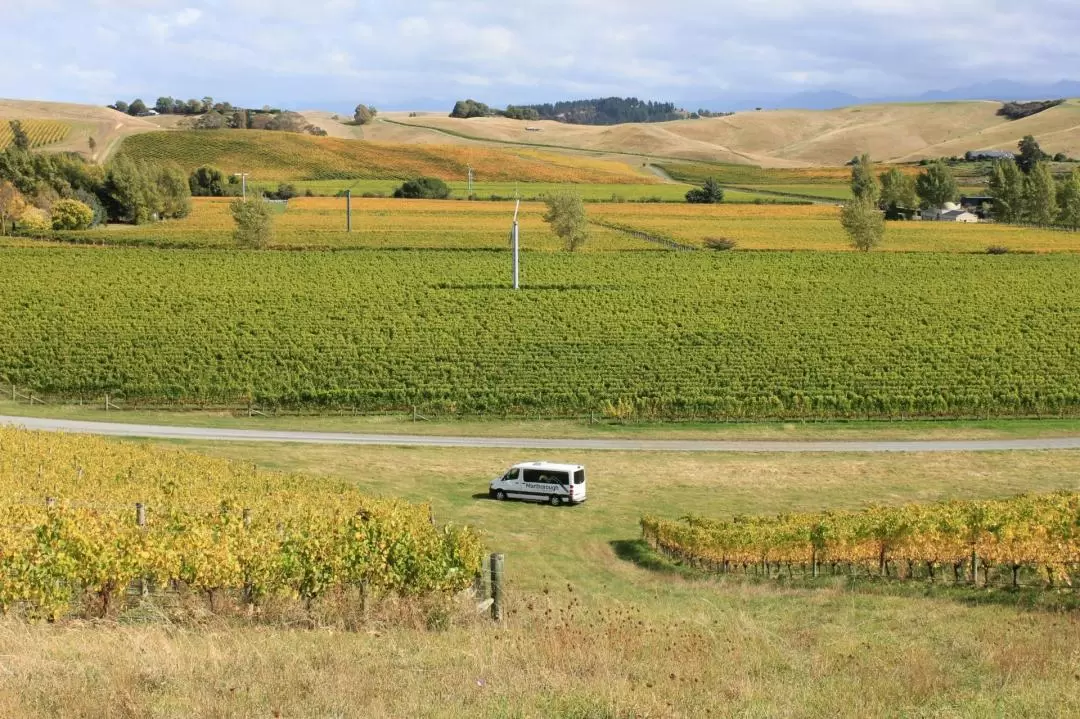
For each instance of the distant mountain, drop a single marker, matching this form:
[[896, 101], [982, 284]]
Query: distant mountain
[[1002, 90]]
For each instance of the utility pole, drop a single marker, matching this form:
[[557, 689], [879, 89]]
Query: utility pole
[[470, 179], [243, 182], [514, 243]]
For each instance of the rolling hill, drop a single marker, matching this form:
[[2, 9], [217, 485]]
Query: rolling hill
[[898, 132], [787, 138]]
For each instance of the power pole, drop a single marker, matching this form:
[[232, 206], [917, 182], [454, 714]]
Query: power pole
[[243, 182], [470, 179], [514, 243]]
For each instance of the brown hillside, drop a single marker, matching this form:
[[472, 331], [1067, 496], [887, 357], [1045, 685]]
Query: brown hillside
[[106, 126]]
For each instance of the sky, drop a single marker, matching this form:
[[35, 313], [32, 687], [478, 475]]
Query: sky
[[423, 54]]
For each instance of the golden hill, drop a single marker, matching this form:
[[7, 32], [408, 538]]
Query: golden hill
[[788, 138], [901, 132]]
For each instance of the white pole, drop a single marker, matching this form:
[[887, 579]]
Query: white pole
[[514, 244]]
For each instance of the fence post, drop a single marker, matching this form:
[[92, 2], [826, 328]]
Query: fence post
[[140, 519], [497, 587]]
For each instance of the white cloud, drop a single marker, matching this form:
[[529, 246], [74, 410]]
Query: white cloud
[[284, 52]]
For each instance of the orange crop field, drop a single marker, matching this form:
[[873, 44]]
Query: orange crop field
[[279, 156]]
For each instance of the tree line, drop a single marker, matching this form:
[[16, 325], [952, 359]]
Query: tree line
[[42, 192], [1022, 190], [223, 115], [597, 111]]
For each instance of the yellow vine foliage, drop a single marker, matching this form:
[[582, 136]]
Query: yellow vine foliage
[[211, 525], [1039, 534]]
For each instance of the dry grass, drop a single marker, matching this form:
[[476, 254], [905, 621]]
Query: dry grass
[[588, 634], [106, 126], [797, 138]]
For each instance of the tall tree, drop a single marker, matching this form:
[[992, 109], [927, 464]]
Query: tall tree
[[1040, 196], [936, 185], [1007, 189], [864, 185], [137, 107], [1030, 154], [1069, 202], [898, 190], [864, 224], [566, 215]]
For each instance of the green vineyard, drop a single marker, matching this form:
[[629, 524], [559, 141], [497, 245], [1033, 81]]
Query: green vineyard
[[40, 132], [1025, 538], [650, 335]]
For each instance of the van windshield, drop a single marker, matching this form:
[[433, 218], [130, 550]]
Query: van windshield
[[579, 476]]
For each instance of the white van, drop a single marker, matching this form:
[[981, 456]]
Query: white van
[[555, 484]]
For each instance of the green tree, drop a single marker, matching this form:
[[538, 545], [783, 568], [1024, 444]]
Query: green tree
[[254, 222], [131, 191], [864, 224], [1030, 154], [1069, 201], [897, 191], [207, 181], [137, 107], [20, 140], [71, 215], [709, 193], [1007, 188], [566, 215], [121, 106], [173, 192], [864, 185], [1040, 196], [363, 114], [936, 185], [423, 188]]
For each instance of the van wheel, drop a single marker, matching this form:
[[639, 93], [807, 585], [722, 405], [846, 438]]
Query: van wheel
[[500, 495], [555, 500]]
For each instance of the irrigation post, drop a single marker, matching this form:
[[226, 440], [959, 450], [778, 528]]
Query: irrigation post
[[243, 182], [497, 587], [348, 210], [514, 244]]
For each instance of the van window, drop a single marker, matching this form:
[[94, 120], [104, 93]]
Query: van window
[[535, 476], [510, 476], [579, 476]]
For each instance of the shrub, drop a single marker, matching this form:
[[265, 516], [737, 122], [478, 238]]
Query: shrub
[[34, 222], [710, 193], [997, 250], [423, 188], [719, 243], [71, 215], [254, 222]]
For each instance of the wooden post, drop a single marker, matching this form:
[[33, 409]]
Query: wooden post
[[140, 519], [348, 210], [106, 402], [497, 587]]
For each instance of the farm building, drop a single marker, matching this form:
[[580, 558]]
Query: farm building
[[973, 155], [951, 212]]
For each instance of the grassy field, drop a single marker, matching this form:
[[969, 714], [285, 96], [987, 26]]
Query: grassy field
[[278, 156], [319, 223], [597, 635], [623, 334]]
